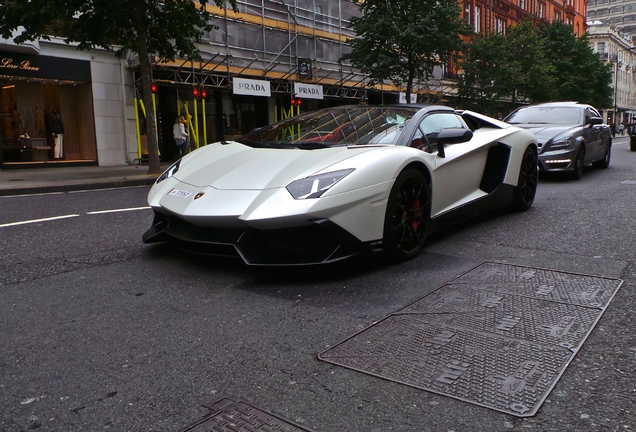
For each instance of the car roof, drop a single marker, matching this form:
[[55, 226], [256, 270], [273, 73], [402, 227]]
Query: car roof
[[558, 104]]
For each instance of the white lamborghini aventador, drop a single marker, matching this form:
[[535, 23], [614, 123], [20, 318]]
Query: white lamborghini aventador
[[332, 183]]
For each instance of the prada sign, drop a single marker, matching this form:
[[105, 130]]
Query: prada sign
[[308, 91], [38, 66], [242, 86]]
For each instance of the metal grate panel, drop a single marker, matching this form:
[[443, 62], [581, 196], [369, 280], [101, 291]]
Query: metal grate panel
[[499, 336], [229, 415]]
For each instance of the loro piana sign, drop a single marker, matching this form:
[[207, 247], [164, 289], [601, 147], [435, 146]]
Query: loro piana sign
[[242, 86]]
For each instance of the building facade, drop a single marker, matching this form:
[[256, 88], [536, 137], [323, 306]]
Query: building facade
[[619, 14], [267, 61], [497, 15], [617, 48]]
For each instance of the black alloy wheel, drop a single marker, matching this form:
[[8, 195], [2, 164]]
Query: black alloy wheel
[[579, 164], [408, 215], [604, 163], [526, 189]]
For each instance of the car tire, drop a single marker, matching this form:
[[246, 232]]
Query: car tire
[[579, 164], [604, 163], [526, 189], [408, 215]]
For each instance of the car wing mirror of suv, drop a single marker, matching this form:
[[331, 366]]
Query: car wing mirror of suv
[[594, 121]]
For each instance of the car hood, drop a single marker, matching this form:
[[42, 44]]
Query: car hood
[[545, 132], [234, 166]]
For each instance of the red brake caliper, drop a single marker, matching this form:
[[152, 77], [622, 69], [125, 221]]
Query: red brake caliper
[[416, 223]]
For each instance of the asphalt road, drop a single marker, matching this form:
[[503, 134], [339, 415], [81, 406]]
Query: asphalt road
[[101, 332]]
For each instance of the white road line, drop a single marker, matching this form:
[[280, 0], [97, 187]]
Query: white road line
[[118, 210], [38, 220], [104, 189], [31, 195]]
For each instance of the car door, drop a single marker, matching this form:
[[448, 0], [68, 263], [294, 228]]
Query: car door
[[593, 136], [457, 176]]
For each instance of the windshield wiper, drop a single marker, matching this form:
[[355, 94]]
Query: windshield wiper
[[312, 145]]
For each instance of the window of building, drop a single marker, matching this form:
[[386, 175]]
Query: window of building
[[616, 9], [522, 4], [600, 47], [501, 26], [477, 19], [467, 13], [541, 10]]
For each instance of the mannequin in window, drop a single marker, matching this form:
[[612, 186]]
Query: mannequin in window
[[56, 129]]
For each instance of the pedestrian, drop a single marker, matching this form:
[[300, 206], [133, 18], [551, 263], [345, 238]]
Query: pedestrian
[[621, 129], [180, 135], [55, 128]]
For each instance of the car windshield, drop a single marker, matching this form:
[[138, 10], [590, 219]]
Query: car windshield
[[547, 115], [333, 127]]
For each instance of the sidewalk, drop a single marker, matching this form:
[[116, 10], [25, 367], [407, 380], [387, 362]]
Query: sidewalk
[[42, 180]]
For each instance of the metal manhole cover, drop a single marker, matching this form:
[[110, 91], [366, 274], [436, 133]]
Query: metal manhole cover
[[499, 336], [229, 415]]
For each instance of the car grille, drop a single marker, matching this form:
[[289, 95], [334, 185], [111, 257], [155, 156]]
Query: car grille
[[318, 242]]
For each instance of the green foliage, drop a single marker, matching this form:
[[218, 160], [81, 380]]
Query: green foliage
[[584, 77], [403, 40], [534, 64], [168, 28]]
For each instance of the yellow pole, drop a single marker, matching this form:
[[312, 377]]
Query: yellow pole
[[193, 136], [196, 121], [138, 129], [205, 125], [154, 111], [143, 107]]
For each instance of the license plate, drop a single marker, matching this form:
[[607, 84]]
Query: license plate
[[179, 193]]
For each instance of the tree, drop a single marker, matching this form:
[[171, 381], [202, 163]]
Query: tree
[[534, 64], [484, 68], [582, 75], [403, 40], [164, 28]]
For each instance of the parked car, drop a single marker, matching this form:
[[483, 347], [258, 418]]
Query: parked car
[[328, 184], [632, 139], [570, 136]]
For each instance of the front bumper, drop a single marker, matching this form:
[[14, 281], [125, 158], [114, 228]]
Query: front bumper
[[557, 161], [317, 242]]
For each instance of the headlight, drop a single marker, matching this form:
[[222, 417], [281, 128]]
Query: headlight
[[561, 143], [170, 171], [315, 186]]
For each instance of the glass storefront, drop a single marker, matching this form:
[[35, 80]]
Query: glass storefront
[[46, 111]]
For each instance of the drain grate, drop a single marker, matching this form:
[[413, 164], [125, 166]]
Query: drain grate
[[499, 336], [229, 415]]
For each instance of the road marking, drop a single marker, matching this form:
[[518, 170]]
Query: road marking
[[118, 210], [31, 195], [104, 189], [38, 220]]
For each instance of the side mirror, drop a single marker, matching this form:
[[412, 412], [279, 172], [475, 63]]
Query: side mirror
[[452, 136], [594, 121]]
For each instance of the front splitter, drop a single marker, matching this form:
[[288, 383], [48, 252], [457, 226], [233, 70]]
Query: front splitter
[[498, 336]]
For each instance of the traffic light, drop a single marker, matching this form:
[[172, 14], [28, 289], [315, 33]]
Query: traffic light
[[204, 94], [153, 87], [295, 102], [195, 93]]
